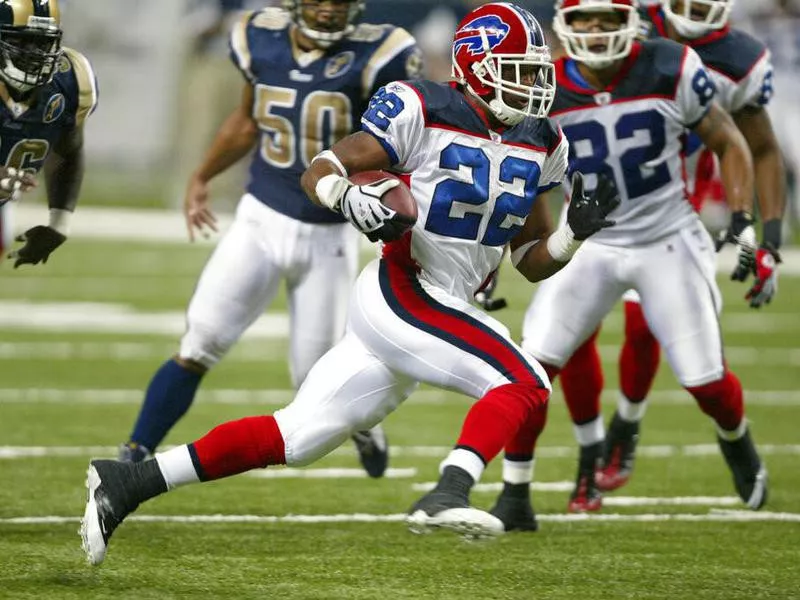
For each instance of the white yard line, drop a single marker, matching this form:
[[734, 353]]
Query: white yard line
[[624, 501], [654, 451], [96, 317], [260, 352], [280, 397], [719, 516], [288, 473], [167, 225]]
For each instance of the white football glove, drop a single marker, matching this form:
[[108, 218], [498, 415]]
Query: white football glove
[[362, 206]]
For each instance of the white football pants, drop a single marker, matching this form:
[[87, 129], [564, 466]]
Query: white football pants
[[400, 332], [262, 247], [674, 278]]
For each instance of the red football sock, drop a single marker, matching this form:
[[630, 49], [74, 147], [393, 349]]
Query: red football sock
[[510, 416], [638, 360], [722, 400], [582, 382], [238, 446]]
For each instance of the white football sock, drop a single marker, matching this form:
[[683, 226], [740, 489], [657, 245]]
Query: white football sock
[[177, 467], [632, 412], [518, 471], [590, 433], [464, 459]]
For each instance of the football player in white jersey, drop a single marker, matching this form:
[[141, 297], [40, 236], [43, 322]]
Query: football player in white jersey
[[625, 106], [742, 70], [479, 154], [309, 72]]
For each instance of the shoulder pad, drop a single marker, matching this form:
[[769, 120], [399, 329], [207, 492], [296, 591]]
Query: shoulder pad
[[369, 33], [733, 55], [274, 19], [85, 80]]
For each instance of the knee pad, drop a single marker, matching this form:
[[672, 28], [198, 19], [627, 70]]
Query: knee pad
[[204, 345]]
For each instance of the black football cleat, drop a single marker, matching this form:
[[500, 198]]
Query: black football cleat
[[619, 455], [514, 508], [447, 507], [373, 450], [586, 497], [749, 473], [114, 490]]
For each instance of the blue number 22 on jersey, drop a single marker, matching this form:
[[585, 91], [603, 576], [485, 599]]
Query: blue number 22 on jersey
[[461, 220]]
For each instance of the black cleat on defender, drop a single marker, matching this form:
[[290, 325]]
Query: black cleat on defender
[[514, 508], [373, 450], [749, 473], [447, 507], [619, 455]]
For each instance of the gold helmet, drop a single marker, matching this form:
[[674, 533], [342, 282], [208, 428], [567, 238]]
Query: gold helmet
[[30, 42], [325, 32]]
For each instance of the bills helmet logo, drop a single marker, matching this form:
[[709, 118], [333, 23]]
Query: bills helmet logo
[[469, 36]]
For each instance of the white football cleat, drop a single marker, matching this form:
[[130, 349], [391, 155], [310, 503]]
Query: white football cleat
[[472, 523]]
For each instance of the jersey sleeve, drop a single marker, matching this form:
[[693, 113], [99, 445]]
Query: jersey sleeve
[[555, 165], [695, 89], [395, 116], [756, 89], [86, 82], [397, 58], [239, 45]]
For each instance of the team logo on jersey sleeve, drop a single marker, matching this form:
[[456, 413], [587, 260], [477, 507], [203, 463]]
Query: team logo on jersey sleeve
[[339, 64], [469, 36], [54, 108]]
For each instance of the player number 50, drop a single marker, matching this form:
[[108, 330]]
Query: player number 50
[[320, 108]]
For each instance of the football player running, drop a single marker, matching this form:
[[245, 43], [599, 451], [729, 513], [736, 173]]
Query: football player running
[[740, 67], [480, 153], [309, 71], [46, 93], [624, 106]]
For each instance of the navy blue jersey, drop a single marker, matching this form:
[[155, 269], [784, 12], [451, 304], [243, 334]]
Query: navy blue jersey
[[739, 63], [29, 130], [306, 101]]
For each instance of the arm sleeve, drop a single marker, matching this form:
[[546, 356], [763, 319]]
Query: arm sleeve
[[239, 44], [397, 58], [555, 165], [86, 82], [395, 117], [756, 89], [695, 89]]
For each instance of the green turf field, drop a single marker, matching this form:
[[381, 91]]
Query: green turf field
[[71, 376]]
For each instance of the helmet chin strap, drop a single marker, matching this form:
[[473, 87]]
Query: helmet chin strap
[[501, 111]]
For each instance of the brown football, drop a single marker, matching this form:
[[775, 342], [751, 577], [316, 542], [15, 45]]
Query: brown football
[[398, 199]]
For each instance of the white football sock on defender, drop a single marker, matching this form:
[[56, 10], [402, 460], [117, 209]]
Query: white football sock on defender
[[517, 472], [464, 459], [632, 412], [177, 467], [590, 433]]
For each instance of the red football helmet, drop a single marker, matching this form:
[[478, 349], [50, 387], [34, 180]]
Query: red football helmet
[[500, 55], [597, 49], [696, 18]]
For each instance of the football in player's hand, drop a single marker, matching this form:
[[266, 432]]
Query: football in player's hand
[[399, 198]]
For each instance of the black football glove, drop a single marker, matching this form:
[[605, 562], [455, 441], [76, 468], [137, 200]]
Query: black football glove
[[587, 213], [39, 243], [485, 298]]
